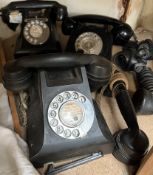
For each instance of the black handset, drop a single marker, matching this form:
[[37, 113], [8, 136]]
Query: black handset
[[17, 74], [63, 121], [38, 22], [131, 143], [86, 33]]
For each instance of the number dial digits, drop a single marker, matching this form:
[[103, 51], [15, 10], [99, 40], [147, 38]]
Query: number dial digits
[[36, 32], [72, 116]]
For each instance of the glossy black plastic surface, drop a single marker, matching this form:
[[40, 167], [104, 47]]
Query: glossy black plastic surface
[[99, 69], [16, 78], [99, 73], [131, 143], [143, 102], [130, 147], [121, 32]]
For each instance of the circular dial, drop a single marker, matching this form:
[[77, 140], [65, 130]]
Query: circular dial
[[70, 114], [89, 42], [36, 32]]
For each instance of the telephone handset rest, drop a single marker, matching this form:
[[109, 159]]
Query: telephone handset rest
[[121, 32]]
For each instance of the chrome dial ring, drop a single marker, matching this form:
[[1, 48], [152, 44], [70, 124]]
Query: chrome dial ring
[[70, 114]]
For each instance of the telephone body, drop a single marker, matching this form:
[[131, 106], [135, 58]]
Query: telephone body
[[63, 119], [38, 25], [95, 34]]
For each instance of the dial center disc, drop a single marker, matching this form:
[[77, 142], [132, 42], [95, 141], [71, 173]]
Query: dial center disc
[[89, 42], [71, 114], [87, 45], [36, 31]]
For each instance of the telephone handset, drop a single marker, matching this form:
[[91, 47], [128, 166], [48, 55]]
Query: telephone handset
[[38, 21], [18, 75], [95, 34], [63, 121]]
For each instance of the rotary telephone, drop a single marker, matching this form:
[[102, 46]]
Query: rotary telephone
[[38, 22], [63, 120], [95, 34]]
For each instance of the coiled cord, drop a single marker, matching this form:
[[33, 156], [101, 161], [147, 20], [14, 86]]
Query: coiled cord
[[145, 78]]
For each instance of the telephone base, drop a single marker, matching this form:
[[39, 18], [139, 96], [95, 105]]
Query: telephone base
[[46, 142]]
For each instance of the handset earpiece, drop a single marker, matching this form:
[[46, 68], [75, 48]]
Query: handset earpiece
[[99, 73], [19, 73], [121, 34], [16, 78]]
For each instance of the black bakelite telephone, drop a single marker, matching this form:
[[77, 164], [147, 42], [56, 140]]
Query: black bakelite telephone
[[63, 120], [38, 23], [95, 34]]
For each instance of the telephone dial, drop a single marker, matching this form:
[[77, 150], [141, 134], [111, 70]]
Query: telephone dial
[[38, 23], [95, 34], [63, 120]]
